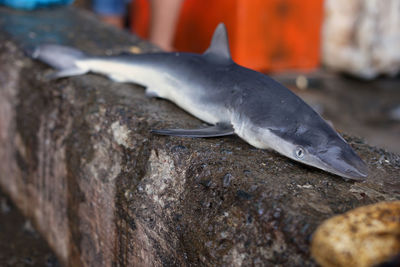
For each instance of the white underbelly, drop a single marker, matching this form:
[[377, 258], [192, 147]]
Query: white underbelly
[[161, 84], [124, 71]]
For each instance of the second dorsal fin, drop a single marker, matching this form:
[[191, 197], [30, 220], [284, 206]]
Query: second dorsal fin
[[219, 47]]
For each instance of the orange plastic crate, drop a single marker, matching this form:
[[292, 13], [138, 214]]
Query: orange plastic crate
[[266, 35]]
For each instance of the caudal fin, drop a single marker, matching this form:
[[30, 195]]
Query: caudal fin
[[57, 56], [62, 58]]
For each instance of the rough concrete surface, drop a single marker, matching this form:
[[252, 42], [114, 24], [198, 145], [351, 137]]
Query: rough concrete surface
[[20, 244], [78, 159]]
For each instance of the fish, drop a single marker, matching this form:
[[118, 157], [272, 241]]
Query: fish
[[232, 99]]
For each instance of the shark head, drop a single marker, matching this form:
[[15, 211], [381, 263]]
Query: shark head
[[268, 115], [322, 147], [303, 136]]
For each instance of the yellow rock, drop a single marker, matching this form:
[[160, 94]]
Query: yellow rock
[[365, 236]]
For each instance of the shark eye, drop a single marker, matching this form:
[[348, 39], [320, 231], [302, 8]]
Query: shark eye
[[299, 152]]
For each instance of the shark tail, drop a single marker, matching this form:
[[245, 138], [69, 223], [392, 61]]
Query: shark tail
[[62, 58]]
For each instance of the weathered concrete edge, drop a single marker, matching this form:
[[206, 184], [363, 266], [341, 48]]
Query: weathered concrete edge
[[41, 161]]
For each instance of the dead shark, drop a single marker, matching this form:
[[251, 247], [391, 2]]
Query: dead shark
[[229, 97]]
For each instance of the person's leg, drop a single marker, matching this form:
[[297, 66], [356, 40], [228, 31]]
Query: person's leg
[[164, 19]]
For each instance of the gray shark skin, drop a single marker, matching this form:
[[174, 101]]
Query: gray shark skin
[[233, 99]]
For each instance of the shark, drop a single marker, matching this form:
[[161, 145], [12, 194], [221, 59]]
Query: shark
[[230, 98]]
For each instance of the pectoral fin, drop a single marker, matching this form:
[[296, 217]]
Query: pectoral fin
[[220, 129]]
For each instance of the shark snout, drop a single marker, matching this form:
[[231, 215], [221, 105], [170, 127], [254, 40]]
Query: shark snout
[[344, 162], [357, 171]]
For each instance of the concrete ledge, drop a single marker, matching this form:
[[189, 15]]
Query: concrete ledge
[[78, 159]]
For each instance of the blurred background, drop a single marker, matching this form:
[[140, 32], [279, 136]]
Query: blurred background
[[340, 56]]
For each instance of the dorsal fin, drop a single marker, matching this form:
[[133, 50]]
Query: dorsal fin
[[219, 47]]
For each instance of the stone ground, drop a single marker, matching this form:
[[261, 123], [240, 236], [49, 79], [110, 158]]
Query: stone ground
[[368, 117], [20, 244]]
